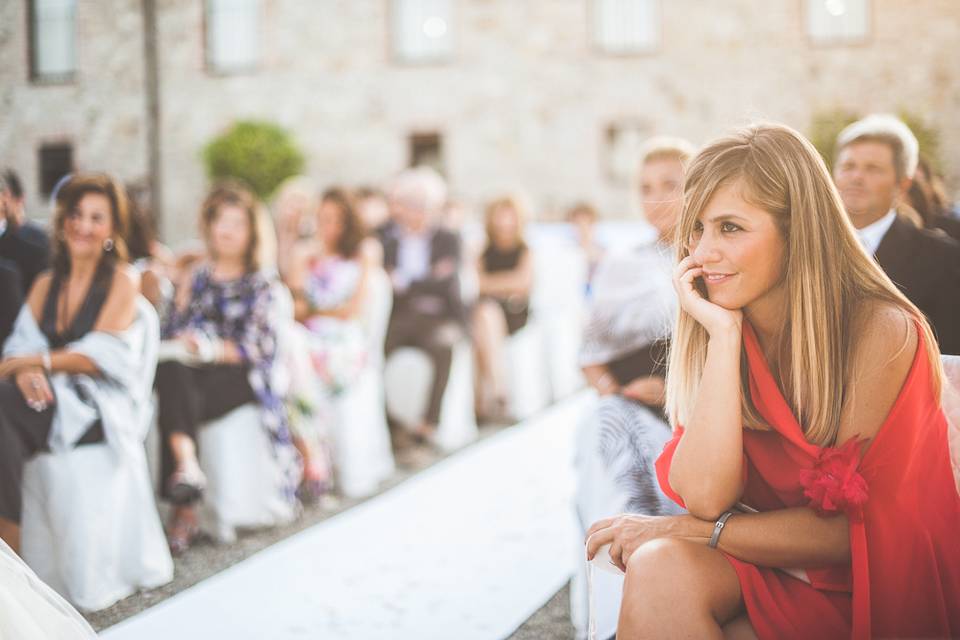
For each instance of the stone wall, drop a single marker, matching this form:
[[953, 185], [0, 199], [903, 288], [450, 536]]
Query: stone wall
[[525, 102]]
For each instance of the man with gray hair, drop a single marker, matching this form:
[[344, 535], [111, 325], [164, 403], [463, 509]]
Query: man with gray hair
[[876, 159], [423, 261]]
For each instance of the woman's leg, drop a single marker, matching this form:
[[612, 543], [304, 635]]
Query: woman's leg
[[678, 589], [481, 353], [178, 416], [491, 326], [23, 432]]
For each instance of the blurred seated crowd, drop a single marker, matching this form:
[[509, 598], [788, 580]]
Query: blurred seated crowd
[[294, 311], [112, 340]]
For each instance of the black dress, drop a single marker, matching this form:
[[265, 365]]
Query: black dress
[[516, 309], [23, 431]]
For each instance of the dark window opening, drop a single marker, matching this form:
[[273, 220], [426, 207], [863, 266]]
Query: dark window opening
[[56, 161], [426, 149]]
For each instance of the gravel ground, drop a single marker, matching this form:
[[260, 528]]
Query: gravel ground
[[205, 558], [552, 622]]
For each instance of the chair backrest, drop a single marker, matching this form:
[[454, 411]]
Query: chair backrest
[[376, 310], [951, 408], [151, 344], [282, 318]]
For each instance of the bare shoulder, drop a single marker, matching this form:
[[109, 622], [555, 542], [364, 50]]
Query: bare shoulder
[[885, 344], [126, 280], [885, 334], [120, 307]]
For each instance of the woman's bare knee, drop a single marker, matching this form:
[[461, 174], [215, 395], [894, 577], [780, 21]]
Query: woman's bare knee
[[663, 570]]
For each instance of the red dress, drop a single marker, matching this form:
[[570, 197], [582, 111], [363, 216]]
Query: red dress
[[904, 575]]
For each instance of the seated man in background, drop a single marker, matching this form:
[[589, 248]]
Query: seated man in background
[[423, 261]]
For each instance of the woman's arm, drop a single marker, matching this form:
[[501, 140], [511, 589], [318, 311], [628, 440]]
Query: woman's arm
[[503, 284], [348, 310], [707, 467], [600, 378], [116, 315], [785, 538]]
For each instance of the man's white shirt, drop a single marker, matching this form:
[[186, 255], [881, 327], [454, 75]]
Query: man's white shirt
[[872, 235]]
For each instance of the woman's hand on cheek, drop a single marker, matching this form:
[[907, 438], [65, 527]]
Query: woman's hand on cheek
[[714, 318]]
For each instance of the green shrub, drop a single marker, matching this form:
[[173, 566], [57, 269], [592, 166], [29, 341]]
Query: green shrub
[[261, 154]]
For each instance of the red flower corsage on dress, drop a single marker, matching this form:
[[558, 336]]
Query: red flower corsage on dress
[[833, 484]]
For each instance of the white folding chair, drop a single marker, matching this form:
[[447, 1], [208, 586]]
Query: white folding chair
[[90, 524]]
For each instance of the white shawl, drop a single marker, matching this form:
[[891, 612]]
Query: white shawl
[[120, 396], [633, 304]]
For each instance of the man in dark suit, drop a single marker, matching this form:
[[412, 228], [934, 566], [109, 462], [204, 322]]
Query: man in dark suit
[[876, 158], [24, 251], [423, 261], [21, 241]]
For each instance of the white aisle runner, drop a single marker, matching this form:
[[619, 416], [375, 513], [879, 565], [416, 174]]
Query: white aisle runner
[[468, 549]]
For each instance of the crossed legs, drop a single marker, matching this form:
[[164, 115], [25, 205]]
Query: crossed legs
[[681, 589]]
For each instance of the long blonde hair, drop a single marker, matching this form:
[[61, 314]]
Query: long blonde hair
[[827, 275]]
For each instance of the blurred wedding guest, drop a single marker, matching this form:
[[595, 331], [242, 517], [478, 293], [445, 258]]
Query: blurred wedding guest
[[372, 207], [69, 325], [423, 261], [624, 359], [21, 240], [374, 213], [505, 278], [293, 211], [11, 298], [928, 198], [876, 159], [24, 251], [223, 323], [149, 256], [583, 217], [328, 278], [453, 215]]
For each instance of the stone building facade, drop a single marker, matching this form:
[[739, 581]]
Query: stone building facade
[[529, 94]]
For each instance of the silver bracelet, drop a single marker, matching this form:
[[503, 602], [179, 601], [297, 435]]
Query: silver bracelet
[[718, 529], [47, 366]]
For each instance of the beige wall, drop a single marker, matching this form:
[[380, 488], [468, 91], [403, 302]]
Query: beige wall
[[525, 101]]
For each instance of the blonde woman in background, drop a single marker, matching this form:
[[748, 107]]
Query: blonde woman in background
[[505, 279], [293, 210]]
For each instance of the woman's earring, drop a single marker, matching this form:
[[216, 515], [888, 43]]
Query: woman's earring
[[108, 244]]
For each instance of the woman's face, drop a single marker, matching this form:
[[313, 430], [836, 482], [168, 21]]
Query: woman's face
[[88, 226], [741, 250], [661, 194], [330, 223], [230, 233], [504, 229]]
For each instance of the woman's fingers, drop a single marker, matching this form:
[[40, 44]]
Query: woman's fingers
[[597, 540], [46, 393], [598, 525], [616, 556]]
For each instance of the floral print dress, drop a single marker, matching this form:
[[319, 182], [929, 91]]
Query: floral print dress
[[240, 310]]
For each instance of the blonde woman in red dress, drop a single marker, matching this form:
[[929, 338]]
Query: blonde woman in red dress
[[809, 447]]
